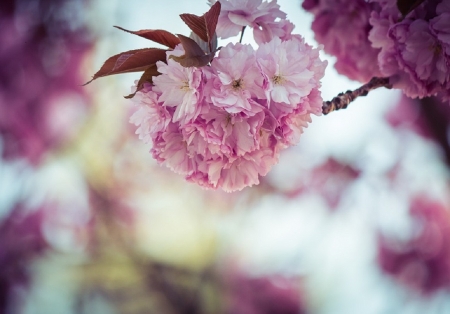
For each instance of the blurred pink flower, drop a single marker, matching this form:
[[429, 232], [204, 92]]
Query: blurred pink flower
[[415, 49], [264, 295], [423, 262], [42, 102], [21, 242], [342, 27]]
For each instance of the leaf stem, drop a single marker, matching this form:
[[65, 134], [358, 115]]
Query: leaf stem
[[242, 34], [342, 100]]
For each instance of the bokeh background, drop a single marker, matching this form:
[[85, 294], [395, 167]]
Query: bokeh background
[[355, 219]]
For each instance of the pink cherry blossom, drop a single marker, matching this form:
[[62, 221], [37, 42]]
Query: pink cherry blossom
[[151, 116], [171, 148], [266, 31], [288, 67], [224, 125], [238, 79], [238, 173], [179, 87], [236, 14]]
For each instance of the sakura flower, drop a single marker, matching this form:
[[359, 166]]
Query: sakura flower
[[171, 148], [236, 14], [415, 50], [288, 67], [235, 174], [151, 117], [231, 119], [180, 87], [343, 27], [266, 31], [291, 125], [238, 79]]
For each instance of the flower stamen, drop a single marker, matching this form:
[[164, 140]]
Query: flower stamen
[[185, 86], [237, 84], [437, 49], [278, 79]]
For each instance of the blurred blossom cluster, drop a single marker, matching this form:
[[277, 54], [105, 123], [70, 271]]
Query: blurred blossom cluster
[[353, 219], [409, 41], [42, 104]]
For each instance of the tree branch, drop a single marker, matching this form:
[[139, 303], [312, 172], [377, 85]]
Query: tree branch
[[342, 100]]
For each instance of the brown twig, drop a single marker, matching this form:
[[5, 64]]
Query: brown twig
[[342, 100]]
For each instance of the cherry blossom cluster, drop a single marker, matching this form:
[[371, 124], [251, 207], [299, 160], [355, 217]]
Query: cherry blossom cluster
[[224, 124], [412, 47]]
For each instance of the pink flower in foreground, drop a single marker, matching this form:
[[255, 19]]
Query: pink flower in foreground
[[289, 70], [237, 80], [232, 134], [236, 14], [171, 148], [268, 30], [151, 116], [180, 87]]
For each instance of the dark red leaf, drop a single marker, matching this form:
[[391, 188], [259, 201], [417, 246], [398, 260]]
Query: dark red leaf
[[130, 61], [211, 18], [407, 6], [203, 44], [157, 35], [204, 26], [196, 24], [147, 76], [194, 55]]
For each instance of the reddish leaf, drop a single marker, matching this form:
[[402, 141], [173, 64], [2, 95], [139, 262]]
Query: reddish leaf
[[147, 76], [203, 44], [204, 26], [211, 18], [157, 35], [194, 55], [130, 61]]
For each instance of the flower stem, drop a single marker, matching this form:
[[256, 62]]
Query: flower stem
[[342, 100], [242, 34]]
